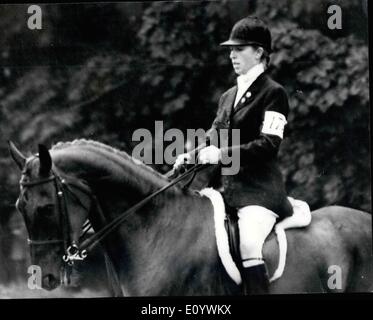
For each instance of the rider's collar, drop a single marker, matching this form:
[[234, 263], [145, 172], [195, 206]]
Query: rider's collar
[[249, 77]]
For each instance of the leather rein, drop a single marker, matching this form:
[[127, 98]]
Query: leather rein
[[72, 250]]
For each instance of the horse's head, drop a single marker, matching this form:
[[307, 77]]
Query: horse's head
[[54, 207]]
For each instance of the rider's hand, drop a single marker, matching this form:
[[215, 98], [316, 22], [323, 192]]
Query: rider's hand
[[209, 155], [182, 159]]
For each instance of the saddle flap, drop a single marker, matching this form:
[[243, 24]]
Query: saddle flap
[[231, 226]]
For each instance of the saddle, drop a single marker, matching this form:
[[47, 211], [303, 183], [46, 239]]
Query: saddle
[[300, 217]]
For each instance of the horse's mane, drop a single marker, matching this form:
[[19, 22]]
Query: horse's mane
[[101, 146]]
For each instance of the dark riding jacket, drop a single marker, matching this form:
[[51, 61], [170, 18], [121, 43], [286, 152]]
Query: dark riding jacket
[[259, 180]]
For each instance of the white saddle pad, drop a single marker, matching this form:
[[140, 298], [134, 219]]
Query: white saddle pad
[[300, 218]]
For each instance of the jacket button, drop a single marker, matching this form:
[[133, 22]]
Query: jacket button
[[243, 100]]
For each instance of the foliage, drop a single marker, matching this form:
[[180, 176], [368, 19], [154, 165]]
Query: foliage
[[326, 158], [174, 70], [314, 15]]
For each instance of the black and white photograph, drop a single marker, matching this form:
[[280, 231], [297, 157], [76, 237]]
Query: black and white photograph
[[185, 149]]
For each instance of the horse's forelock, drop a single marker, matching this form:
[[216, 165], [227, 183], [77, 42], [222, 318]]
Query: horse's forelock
[[30, 165]]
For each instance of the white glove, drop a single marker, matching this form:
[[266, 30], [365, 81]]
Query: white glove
[[182, 159], [210, 154]]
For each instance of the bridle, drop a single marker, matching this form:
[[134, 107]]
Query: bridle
[[72, 250], [63, 186]]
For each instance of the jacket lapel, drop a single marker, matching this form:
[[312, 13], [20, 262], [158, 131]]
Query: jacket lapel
[[229, 102], [250, 93]]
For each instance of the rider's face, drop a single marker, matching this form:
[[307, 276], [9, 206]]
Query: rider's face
[[244, 58]]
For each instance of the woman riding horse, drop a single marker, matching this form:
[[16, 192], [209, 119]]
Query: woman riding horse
[[169, 247], [258, 106]]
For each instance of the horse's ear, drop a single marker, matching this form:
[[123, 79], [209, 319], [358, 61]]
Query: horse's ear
[[45, 160], [17, 156]]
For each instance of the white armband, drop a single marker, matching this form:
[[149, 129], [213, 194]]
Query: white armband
[[274, 123]]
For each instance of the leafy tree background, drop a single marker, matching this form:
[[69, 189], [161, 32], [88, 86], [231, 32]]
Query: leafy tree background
[[100, 71]]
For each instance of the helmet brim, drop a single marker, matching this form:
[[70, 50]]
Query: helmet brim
[[236, 42]]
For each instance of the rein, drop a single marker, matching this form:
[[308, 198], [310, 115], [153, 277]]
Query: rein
[[95, 239], [72, 250]]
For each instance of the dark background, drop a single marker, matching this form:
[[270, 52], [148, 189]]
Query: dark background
[[100, 71]]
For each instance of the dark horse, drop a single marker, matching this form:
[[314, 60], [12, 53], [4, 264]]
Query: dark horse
[[168, 247]]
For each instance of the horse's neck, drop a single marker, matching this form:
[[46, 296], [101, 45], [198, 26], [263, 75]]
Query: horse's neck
[[164, 242], [162, 246], [110, 173]]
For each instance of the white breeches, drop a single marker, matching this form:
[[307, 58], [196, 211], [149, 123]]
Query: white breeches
[[255, 224]]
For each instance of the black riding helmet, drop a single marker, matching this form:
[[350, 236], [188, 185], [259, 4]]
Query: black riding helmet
[[250, 31]]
